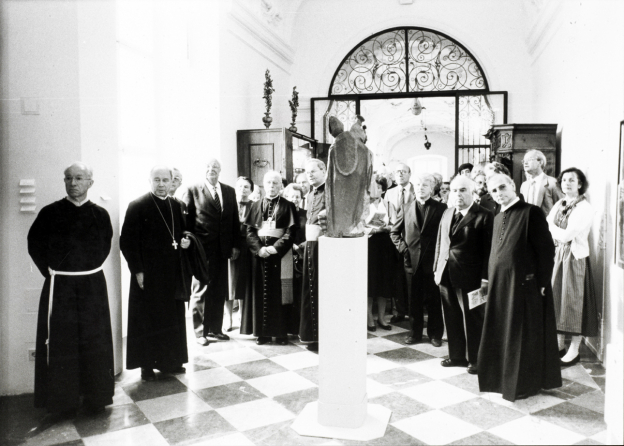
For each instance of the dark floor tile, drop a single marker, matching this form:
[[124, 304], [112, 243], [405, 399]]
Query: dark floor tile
[[369, 335], [465, 381], [403, 324], [483, 413], [404, 355], [569, 390], [256, 369], [399, 338], [600, 381], [114, 418], [392, 437], [280, 434], [202, 361], [575, 418], [482, 438], [402, 406], [399, 378], [595, 369], [593, 400], [588, 441], [18, 417], [71, 443], [310, 373], [163, 386], [296, 401], [202, 425], [229, 394], [271, 350]]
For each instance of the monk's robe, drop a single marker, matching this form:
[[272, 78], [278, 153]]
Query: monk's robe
[[270, 222], [150, 242], [76, 239]]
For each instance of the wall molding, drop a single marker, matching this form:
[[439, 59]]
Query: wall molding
[[545, 27]]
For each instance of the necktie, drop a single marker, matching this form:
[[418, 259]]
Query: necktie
[[217, 200], [402, 196], [456, 219], [531, 196]]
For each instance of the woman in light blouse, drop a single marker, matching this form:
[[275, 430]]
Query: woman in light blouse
[[569, 222]]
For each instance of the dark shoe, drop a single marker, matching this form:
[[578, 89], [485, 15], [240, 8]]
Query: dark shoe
[[472, 369], [384, 326], [576, 359], [411, 340], [397, 318], [313, 347], [562, 352], [281, 341], [524, 396], [202, 341], [451, 363], [177, 370], [371, 328], [93, 410], [230, 329], [263, 340], [147, 374], [219, 336], [436, 342]]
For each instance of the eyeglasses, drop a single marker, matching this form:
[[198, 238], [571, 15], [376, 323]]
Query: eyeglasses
[[70, 179], [530, 159]]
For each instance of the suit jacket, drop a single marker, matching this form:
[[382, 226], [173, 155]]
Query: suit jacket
[[416, 243], [488, 202], [548, 193], [392, 199], [213, 229], [464, 253]]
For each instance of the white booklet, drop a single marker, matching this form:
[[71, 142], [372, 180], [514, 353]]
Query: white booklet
[[476, 298]]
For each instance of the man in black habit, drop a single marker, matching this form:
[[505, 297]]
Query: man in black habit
[[69, 242], [151, 239], [518, 354], [271, 227]]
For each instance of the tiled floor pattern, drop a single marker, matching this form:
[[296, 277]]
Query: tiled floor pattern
[[238, 393]]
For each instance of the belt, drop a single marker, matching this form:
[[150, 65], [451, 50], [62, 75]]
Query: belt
[[62, 273]]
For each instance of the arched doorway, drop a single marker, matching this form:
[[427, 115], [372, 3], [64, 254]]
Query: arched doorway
[[413, 85]]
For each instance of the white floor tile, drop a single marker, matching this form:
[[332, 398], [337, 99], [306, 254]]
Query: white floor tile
[[531, 430], [255, 414], [438, 394], [208, 378], [578, 374], [376, 364], [433, 369], [436, 427], [235, 356], [280, 383], [426, 347], [296, 361], [172, 406], [600, 437], [236, 439], [528, 406], [146, 435], [378, 345], [375, 389]]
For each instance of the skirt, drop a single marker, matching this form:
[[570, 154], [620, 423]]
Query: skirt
[[381, 265], [573, 293]]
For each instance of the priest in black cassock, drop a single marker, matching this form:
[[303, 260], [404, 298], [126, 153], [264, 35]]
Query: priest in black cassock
[[271, 227], [69, 242], [151, 240], [518, 354]]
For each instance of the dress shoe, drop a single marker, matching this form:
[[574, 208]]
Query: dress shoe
[[230, 329], [562, 352], [177, 370], [436, 342], [472, 369], [397, 318], [371, 328], [219, 336], [576, 359], [384, 326], [89, 409], [313, 347], [411, 340], [281, 341], [451, 363], [202, 341], [263, 340], [524, 396], [147, 374]]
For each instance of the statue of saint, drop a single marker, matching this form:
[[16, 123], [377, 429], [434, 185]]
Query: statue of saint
[[349, 180]]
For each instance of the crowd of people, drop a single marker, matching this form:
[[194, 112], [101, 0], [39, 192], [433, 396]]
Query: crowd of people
[[505, 275]]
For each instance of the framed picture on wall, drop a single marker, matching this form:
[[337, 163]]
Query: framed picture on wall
[[619, 218]]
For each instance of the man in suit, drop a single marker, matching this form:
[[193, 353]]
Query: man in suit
[[482, 197], [461, 263], [401, 194], [212, 215], [302, 181], [414, 234], [539, 189]]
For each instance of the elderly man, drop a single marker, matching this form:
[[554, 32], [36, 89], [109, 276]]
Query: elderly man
[[539, 189], [461, 263], [308, 328], [414, 234], [482, 197], [518, 354], [176, 182], [271, 226], [302, 181], [212, 215], [151, 236], [69, 242]]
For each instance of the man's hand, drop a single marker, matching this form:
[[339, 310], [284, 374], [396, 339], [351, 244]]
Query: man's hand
[[484, 287], [235, 253], [271, 250], [322, 220], [141, 280], [185, 243], [543, 291], [263, 253]]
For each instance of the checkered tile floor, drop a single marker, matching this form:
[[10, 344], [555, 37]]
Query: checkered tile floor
[[238, 393]]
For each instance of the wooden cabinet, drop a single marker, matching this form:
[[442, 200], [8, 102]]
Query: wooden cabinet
[[279, 149], [511, 141]]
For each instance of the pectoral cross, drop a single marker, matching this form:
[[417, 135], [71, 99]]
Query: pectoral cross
[[174, 244]]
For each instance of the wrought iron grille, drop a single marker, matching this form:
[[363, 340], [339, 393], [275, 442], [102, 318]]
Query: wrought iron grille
[[407, 60], [343, 110]]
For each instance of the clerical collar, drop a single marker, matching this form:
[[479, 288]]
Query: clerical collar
[[423, 203], [272, 198], [162, 198], [319, 188], [76, 202], [514, 201]]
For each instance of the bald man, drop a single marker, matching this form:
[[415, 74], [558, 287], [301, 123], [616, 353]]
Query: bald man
[[460, 266], [212, 215], [69, 241]]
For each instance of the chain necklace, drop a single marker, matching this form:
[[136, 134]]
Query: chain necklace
[[271, 217], [174, 244]]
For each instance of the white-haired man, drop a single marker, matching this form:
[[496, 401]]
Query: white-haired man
[[460, 266], [414, 234], [518, 354], [69, 242], [539, 189]]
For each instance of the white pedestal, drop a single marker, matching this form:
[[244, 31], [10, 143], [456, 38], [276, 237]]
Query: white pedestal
[[342, 410]]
